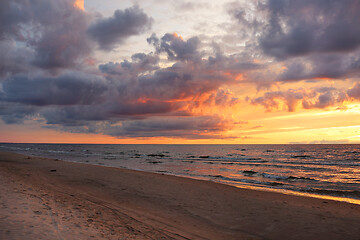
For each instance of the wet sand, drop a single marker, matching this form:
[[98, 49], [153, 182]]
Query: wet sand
[[51, 199]]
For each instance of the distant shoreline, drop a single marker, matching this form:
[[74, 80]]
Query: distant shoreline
[[294, 143], [48, 198]]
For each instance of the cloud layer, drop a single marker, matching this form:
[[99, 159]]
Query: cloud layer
[[181, 87]]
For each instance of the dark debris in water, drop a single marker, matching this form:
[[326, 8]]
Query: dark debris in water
[[188, 161], [276, 184], [249, 172], [300, 178], [216, 176], [155, 162], [301, 156], [157, 155]]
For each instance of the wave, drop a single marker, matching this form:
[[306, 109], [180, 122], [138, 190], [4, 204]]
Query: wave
[[277, 177], [334, 192]]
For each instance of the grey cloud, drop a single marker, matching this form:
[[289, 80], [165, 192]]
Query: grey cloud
[[67, 89], [175, 47], [12, 14], [74, 115], [326, 97], [196, 127], [307, 99], [124, 23], [273, 100], [14, 113], [302, 27], [53, 30], [59, 36], [14, 59], [140, 63], [64, 45], [354, 92], [333, 66]]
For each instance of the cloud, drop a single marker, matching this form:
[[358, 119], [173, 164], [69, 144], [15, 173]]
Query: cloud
[[182, 88], [141, 63], [354, 92], [40, 26], [303, 27], [175, 47], [200, 127], [67, 89], [183, 97], [324, 66], [108, 32], [291, 99], [324, 141], [44, 75], [14, 59], [14, 113], [63, 45], [56, 35]]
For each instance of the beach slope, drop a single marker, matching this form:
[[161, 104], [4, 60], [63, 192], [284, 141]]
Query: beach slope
[[51, 199]]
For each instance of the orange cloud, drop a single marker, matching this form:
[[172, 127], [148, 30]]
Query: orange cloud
[[79, 4], [177, 36]]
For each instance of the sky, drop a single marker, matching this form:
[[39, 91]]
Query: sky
[[179, 72]]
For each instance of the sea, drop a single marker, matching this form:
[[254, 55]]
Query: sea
[[320, 170]]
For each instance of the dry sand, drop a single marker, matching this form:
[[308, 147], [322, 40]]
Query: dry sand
[[51, 199]]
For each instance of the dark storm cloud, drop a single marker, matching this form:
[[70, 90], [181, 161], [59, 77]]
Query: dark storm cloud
[[74, 115], [329, 66], [53, 30], [302, 27], [124, 23], [14, 59], [64, 45], [12, 14], [195, 127], [67, 89], [54, 35], [14, 113]]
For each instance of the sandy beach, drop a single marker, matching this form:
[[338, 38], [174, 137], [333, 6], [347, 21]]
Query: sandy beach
[[51, 199]]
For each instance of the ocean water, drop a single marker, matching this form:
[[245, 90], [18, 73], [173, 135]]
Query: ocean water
[[318, 170]]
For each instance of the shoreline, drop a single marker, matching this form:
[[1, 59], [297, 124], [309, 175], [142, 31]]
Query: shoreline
[[142, 205], [347, 199]]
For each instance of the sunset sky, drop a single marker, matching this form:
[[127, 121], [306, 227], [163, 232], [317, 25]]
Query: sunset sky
[[174, 71]]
